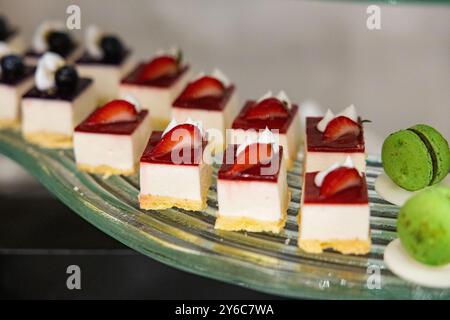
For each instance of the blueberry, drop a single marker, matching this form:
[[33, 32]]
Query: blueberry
[[60, 43], [12, 67], [112, 49], [66, 79]]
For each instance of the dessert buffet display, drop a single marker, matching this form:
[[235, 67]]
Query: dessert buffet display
[[235, 172]]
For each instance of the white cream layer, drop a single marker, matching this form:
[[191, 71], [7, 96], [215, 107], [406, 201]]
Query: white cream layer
[[260, 200], [57, 116], [117, 151], [10, 98], [107, 77], [334, 221], [170, 180]]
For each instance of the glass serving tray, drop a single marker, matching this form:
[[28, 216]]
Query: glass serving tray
[[188, 241]]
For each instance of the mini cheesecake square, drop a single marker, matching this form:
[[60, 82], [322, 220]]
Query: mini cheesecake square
[[166, 183], [111, 148], [11, 93], [340, 222], [106, 75], [216, 113], [255, 200], [156, 94], [49, 118], [321, 154], [287, 130]]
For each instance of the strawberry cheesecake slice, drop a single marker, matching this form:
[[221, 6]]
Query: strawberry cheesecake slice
[[59, 101], [52, 36], [334, 211], [16, 78], [11, 36], [332, 139], [212, 100], [112, 139], [277, 114], [157, 83], [252, 189], [106, 60], [175, 168]]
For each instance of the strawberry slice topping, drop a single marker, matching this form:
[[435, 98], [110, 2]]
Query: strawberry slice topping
[[113, 111], [182, 136], [252, 155], [339, 127], [267, 109], [203, 87], [159, 67], [338, 180]]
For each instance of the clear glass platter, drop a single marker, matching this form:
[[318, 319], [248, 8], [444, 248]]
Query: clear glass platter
[[188, 241]]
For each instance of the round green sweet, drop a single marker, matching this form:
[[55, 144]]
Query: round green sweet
[[440, 148], [406, 160], [423, 226]]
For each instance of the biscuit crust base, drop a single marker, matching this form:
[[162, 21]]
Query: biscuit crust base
[[105, 170], [49, 140], [155, 202], [253, 225], [150, 202], [9, 124], [343, 246]]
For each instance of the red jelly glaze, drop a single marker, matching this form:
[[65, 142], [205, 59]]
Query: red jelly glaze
[[119, 128], [251, 174], [347, 143], [205, 103], [161, 82], [280, 124], [147, 157], [354, 195]]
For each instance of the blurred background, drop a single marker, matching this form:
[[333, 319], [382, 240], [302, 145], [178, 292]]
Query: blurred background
[[317, 51]]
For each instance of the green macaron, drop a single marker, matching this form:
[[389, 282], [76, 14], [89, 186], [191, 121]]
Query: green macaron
[[416, 157], [423, 226]]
